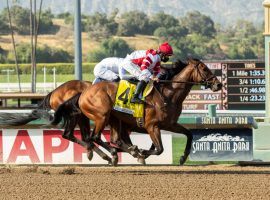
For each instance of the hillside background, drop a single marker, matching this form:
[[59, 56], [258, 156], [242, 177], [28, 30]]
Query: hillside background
[[225, 12], [208, 30], [214, 29]]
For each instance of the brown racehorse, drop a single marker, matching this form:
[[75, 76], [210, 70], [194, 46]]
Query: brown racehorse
[[162, 107], [52, 102], [120, 140]]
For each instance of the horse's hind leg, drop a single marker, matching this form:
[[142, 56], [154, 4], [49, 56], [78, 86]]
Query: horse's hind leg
[[120, 138], [84, 125], [97, 139], [69, 132]]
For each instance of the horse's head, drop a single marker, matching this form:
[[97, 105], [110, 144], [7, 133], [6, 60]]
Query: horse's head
[[202, 74], [173, 69], [195, 71]]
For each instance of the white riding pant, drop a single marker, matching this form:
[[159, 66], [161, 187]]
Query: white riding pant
[[129, 69], [101, 71], [107, 69]]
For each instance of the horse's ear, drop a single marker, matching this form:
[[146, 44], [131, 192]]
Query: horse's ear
[[192, 60], [180, 63], [189, 59]]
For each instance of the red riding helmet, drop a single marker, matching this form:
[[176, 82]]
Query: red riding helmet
[[166, 49]]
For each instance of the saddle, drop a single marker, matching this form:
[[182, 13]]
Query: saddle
[[124, 94]]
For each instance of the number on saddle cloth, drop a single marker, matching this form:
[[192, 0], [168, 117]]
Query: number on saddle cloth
[[124, 94]]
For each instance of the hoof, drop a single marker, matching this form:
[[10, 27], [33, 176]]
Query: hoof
[[141, 160], [110, 162], [115, 161], [89, 154], [135, 154], [134, 151], [182, 160], [133, 148], [142, 152]]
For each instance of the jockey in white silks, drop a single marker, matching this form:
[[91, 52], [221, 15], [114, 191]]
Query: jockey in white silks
[[107, 70], [145, 65]]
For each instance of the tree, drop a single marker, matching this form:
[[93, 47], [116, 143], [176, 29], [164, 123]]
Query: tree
[[23, 53], [46, 23], [132, 23], [161, 32], [3, 55], [244, 29], [96, 56], [3, 25], [234, 53], [110, 48], [245, 48], [44, 54], [199, 23], [20, 18], [53, 55], [116, 47], [63, 15], [99, 26], [163, 20]]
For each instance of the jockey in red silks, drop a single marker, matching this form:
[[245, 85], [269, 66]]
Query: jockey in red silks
[[145, 65]]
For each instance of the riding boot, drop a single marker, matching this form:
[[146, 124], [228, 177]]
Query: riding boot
[[139, 89]]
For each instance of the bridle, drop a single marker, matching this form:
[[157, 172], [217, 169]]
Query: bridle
[[205, 81]]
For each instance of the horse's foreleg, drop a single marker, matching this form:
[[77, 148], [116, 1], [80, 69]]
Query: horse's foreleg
[[150, 149], [157, 147], [177, 128]]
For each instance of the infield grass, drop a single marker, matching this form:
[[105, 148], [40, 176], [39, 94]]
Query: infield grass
[[60, 78]]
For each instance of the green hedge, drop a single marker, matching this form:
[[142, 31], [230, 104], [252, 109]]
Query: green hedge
[[61, 68]]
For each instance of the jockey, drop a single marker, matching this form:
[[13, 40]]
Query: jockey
[[107, 70], [145, 65]]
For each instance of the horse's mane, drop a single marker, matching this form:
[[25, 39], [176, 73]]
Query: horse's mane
[[191, 59], [175, 68], [178, 66]]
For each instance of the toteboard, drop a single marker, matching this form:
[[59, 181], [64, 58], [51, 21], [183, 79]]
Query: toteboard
[[244, 87]]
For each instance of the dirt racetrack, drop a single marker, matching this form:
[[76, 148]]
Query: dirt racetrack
[[135, 182]]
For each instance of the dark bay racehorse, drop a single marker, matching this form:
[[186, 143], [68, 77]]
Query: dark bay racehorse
[[162, 108]]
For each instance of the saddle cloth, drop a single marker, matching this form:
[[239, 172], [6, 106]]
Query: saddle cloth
[[124, 94]]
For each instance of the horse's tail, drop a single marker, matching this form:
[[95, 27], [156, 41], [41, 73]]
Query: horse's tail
[[18, 119], [67, 111], [45, 104]]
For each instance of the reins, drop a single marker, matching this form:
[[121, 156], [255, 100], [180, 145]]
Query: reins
[[204, 82], [188, 82]]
